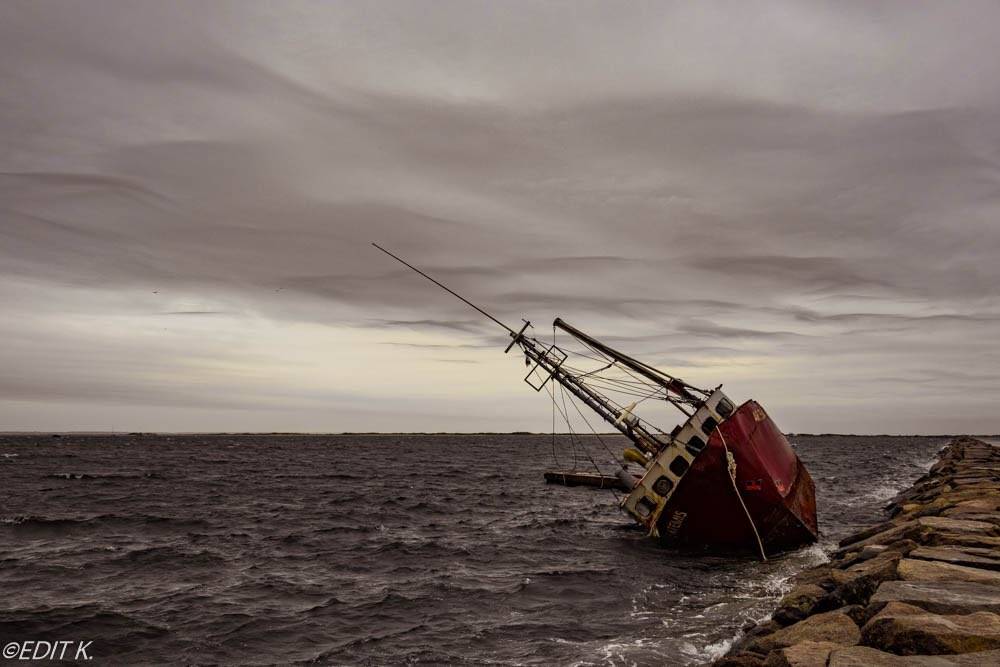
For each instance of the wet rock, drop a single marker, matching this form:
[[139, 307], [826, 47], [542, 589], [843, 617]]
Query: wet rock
[[799, 603], [908, 633], [856, 613], [987, 559], [940, 597], [832, 626], [911, 569], [803, 654], [741, 660], [857, 583], [924, 587], [818, 575], [751, 635], [864, 656]]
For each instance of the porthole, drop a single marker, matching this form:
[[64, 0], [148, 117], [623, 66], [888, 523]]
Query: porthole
[[663, 486], [679, 466], [725, 407]]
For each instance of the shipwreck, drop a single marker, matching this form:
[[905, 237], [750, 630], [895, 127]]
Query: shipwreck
[[725, 478]]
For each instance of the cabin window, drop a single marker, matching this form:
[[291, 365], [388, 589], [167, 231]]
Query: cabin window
[[725, 407], [695, 445], [709, 425], [679, 466], [663, 486]]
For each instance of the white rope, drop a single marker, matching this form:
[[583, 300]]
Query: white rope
[[732, 476]]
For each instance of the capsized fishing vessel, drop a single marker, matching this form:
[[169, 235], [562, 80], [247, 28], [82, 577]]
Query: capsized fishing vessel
[[726, 478]]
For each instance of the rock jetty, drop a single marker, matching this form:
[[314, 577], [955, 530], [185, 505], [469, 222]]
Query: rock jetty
[[922, 588]]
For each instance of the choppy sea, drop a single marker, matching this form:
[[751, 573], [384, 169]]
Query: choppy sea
[[379, 549]]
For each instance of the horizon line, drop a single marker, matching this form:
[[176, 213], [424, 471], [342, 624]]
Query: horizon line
[[532, 433]]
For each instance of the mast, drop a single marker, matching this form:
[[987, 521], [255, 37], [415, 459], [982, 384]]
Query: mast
[[549, 361], [636, 432]]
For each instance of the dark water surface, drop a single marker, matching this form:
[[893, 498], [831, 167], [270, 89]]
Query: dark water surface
[[378, 550]]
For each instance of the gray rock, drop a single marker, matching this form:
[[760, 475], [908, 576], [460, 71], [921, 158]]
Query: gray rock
[[907, 530], [864, 656], [869, 551], [818, 575], [941, 597], [857, 583], [803, 654], [936, 538], [903, 632], [911, 569], [957, 525], [976, 506], [798, 604], [752, 634], [986, 559], [832, 626]]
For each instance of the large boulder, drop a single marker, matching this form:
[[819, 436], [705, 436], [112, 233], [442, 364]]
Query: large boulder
[[955, 497], [986, 559], [856, 584], [864, 656], [945, 538], [912, 569], [936, 506], [752, 634], [957, 525], [940, 597], [832, 626], [803, 654], [818, 575], [886, 534], [798, 603], [899, 630]]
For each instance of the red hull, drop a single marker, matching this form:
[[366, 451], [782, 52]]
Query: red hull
[[776, 488]]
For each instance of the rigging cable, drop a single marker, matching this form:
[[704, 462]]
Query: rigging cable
[[572, 435], [599, 439]]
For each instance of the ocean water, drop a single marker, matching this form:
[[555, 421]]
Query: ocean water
[[390, 549]]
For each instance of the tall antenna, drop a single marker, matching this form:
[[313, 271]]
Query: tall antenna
[[445, 288]]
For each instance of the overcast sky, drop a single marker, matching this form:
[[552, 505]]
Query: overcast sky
[[798, 200]]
